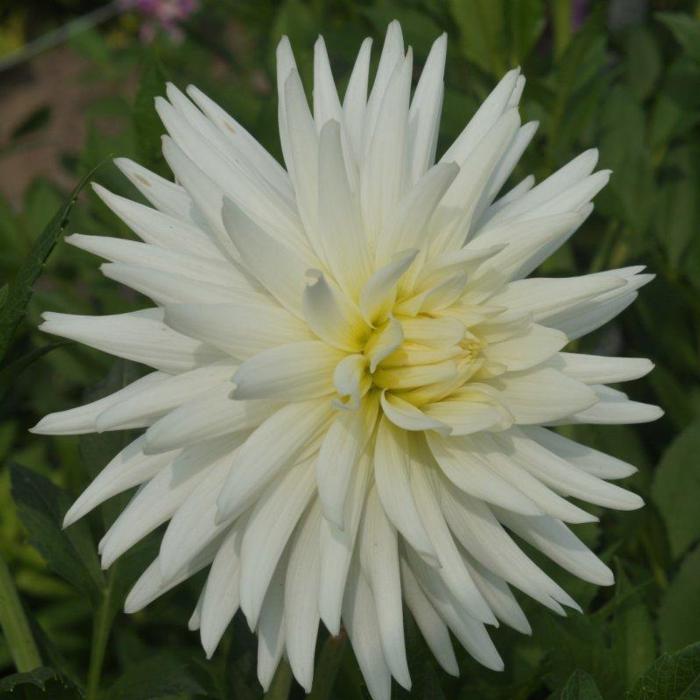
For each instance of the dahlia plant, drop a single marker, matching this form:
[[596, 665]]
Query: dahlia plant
[[354, 380]]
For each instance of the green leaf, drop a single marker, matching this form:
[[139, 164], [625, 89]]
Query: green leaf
[[633, 634], [680, 606], [327, 667], [20, 290], [14, 624], [159, 676], [35, 120], [526, 21], [643, 61], [482, 28], [686, 30], [671, 677], [146, 122], [580, 686], [10, 371], [42, 682], [70, 553], [676, 489]]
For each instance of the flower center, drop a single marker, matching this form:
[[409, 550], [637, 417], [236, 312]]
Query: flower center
[[420, 359]]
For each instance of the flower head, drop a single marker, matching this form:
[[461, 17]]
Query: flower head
[[352, 376]]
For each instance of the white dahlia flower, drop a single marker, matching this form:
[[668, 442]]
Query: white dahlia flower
[[352, 376]]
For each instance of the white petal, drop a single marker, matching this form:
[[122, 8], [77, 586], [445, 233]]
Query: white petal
[[407, 227], [360, 619], [432, 627], [507, 466], [293, 372], [242, 142], [355, 101], [168, 288], [466, 470], [273, 445], [331, 316], [205, 418], [193, 525], [147, 405], [337, 546], [527, 349], [405, 415], [392, 54], [301, 615], [207, 196], [383, 343], [301, 153], [380, 562], [271, 628], [595, 369], [499, 597], [471, 634], [151, 584], [341, 449], [140, 336], [379, 293], [484, 119], [392, 466], [83, 419], [454, 216], [351, 381], [262, 202], [168, 197], [279, 268], [160, 229], [614, 408], [425, 110], [340, 226], [564, 477], [326, 102], [383, 170], [128, 468], [221, 593], [452, 568], [483, 537], [586, 458], [545, 297], [468, 412], [572, 173], [542, 395], [269, 528], [555, 540], [239, 329], [160, 498]]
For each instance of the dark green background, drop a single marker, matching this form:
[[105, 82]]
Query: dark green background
[[627, 81]]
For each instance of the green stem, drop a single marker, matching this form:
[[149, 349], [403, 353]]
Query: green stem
[[100, 636], [281, 683], [561, 21], [15, 626]]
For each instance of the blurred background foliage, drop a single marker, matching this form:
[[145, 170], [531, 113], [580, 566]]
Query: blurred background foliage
[[622, 75]]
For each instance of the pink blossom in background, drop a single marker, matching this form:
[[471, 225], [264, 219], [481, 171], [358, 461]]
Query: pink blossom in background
[[579, 10], [163, 15]]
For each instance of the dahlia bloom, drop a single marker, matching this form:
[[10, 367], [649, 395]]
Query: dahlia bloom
[[353, 381]]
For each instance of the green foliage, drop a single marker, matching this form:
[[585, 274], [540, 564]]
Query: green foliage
[[160, 676], [628, 86], [580, 686], [19, 292], [42, 683], [70, 553], [680, 606], [671, 677], [675, 489]]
